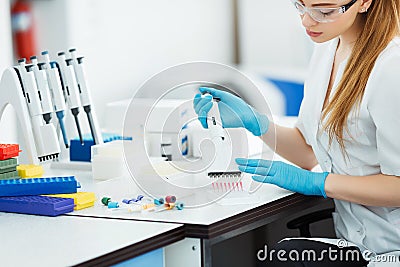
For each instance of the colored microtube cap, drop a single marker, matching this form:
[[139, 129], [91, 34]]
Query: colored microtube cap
[[130, 201], [38, 186], [148, 206], [127, 201], [8, 165], [9, 151], [79, 152], [158, 201], [170, 199], [105, 200], [113, 205], [30, 171], [179, 205], [37, 205], [169, 206], [82, 200]]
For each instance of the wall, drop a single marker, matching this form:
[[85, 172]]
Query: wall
[[127, 41], [272, 39]]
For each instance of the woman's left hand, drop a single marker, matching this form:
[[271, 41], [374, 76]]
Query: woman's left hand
[[285, 175]]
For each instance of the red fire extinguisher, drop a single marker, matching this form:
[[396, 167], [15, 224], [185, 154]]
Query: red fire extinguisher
[[23, 29]]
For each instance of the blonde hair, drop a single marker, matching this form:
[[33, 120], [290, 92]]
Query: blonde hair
[[381, 26]]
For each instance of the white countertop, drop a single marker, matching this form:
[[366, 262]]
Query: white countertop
[[28, 240], [124, 187]]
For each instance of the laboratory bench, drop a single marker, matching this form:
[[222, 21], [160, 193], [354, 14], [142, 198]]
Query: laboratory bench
[[28, 240], [203, 226]]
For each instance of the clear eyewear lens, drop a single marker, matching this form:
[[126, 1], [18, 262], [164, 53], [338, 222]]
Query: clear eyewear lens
[[322, 15]]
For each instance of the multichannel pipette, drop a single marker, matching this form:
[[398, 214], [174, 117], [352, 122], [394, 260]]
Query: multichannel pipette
[[218, 137]]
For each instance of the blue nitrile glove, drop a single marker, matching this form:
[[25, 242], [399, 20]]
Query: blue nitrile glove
[[285, 175], [234, 111]]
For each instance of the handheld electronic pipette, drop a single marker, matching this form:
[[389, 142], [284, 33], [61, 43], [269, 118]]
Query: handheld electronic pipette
[[70, 89], [53, 77], [85, 96]]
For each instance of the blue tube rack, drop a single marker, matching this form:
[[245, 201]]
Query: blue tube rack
[[37, 205], [79, 152], [38, 186]]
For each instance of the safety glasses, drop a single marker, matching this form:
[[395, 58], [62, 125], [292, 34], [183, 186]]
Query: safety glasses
[[322, 14]]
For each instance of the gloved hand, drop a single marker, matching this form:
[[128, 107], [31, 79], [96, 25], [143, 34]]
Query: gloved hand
[[285, 175], [233, 110]]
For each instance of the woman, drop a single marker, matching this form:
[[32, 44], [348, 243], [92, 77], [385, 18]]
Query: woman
[[349, 124]]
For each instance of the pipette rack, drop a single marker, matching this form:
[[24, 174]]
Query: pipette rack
[[20, 90]]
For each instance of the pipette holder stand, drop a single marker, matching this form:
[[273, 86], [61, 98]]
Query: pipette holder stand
[[11, 93]]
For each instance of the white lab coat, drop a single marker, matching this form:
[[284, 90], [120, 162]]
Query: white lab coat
[[376, 148]]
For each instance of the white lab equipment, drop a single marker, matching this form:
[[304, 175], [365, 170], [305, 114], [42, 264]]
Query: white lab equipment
[[54, 82], [17, 88], [43, 88], [44, 134], [108, 160], [222, 144], [35, 92], [85, 96], [223, 173], [8, 124], [165, 121], [166, 148], [70, 87]]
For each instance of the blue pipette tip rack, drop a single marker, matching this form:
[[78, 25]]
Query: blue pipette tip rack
[[37, 205], [38, 186]]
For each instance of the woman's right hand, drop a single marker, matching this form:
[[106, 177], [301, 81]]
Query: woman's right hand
[[234, 111]]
